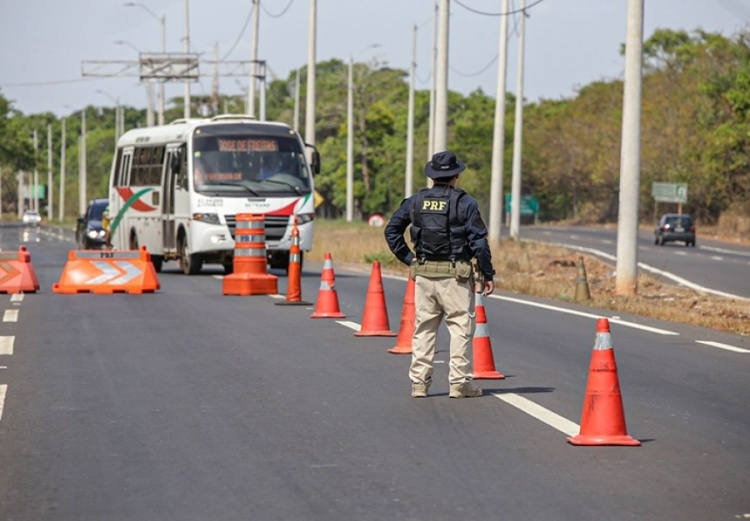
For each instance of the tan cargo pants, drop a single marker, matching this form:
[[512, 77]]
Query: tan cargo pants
[[435, 299]]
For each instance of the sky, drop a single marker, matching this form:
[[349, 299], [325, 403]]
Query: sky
[[569, 43]]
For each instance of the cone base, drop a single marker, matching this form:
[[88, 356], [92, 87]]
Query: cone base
[[590, 440], [245, 284], [401, 350], [488, 375], [380, 332], [327, 315], [293, 303]]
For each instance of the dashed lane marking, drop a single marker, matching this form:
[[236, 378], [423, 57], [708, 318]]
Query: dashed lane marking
[[10, 315], [6, 345], [349, 324], [540, 413], [16, 297], [3, 391], [723, 346]]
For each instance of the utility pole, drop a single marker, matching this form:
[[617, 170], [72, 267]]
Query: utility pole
[[253, 60], [630, 155], [310, 102], [82, 167], [49, 173], [409, 175], [187, 51], [61, 211], [350, 143], [215, 83], [433, 85], [441, 88], [498, 135], [515, 214], [35, 180], [20, 193], [296, 104]]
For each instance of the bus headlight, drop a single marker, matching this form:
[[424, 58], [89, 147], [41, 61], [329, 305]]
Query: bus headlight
[[303, 218], [209, 218]]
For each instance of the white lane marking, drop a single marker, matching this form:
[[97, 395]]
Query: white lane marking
[[277, 296], [675, 278], [10, 315], [587, 315], [6, 345], [716, 258], [540, 413], [723, 346], [349, 324], [218, 277], [606, 241], [3, 391], [680, 253], [16, 297], [724, 250]]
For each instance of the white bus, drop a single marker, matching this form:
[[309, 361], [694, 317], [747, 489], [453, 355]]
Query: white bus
[[177, 188]]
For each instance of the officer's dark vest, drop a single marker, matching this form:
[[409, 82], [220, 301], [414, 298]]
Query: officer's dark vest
[[437, 229]]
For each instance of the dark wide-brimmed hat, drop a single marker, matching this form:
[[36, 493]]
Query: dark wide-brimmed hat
[[444, 164]]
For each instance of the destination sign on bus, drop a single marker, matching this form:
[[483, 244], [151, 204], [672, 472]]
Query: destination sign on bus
[[248, 145]]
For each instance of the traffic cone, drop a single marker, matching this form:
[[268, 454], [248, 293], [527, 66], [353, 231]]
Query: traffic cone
[[408, 316], [375, 316], [602, 419], [294, 273], [582, 286], [484, 363], [327, 305]]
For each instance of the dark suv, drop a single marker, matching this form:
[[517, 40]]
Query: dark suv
[[89, 232], [675, 227]]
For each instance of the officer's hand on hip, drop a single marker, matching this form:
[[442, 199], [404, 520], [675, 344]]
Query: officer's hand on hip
[[488, 287]]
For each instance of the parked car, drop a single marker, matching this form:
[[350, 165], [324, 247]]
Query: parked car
[[31, 217], [675, 227], [89, 232]]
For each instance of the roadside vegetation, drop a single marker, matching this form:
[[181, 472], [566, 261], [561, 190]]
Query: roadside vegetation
[[549, 272]]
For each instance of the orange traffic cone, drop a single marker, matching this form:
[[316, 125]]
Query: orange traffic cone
[[375, 316], [408, 316], [327, 305], [294, 273], [602, 419], [484, 363]]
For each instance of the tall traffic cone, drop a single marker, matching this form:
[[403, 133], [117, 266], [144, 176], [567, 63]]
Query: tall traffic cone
[[484, 363], [327, 305], [408, 316], [294, 273], [602, 419], [375, 315]]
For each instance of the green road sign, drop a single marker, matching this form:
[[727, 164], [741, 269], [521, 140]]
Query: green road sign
[[669, 192]]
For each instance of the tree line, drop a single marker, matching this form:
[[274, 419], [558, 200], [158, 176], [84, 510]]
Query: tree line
[[695, 129]]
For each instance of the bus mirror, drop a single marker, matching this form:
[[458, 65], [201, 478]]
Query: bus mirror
[[314, 159]]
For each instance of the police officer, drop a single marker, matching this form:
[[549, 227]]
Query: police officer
[[447, 232]]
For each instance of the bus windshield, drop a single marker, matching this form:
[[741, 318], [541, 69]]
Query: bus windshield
[[242, 164]]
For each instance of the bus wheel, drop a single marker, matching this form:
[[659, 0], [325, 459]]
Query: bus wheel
[[190, 263]]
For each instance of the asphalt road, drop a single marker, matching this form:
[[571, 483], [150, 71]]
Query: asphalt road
[[189, 405]]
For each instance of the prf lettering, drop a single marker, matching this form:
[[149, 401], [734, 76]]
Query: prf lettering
[[433, 206]]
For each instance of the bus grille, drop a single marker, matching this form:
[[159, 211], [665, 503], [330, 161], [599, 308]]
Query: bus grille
[[275, 226]]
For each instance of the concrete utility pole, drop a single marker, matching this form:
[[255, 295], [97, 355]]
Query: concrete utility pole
[[253, 60], [350, 143], [49, 173], [409, 176], [296, 103], [630, 155], [310, 101], [61, 211], [498, 136], [441, 88], [515, 214], [187, 51], [433, 85], [82, 201], [20, 193], [35, 181]]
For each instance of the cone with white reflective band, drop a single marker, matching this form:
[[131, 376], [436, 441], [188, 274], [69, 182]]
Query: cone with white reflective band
[[603, 418], [294, 273], [327, 305], [484, 362]]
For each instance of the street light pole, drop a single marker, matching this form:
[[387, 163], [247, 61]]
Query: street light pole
[[253, 60], [187, 51], [310, 100], [61, 210], [49, 173], [498, 136]]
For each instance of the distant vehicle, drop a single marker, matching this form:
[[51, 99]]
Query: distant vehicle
[[89, 232], [675, 227], [31, 217]]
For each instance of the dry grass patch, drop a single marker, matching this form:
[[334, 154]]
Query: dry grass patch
[[551, 272]]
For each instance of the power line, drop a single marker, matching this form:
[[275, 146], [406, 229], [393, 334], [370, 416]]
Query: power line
[[282, 13], [242, 32], [512, 11], [478, 72]]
